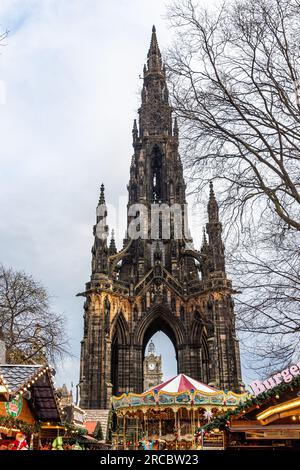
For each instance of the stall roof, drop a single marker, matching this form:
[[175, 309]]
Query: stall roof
[[36, 379], [17, 376]]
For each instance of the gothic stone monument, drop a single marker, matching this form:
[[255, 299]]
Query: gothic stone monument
[[156, 283]]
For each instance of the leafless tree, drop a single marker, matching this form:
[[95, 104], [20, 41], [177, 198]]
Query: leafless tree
[[33, 333], [268, 274], [234, 75]]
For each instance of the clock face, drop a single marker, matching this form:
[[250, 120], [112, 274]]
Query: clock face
[[151, 366]]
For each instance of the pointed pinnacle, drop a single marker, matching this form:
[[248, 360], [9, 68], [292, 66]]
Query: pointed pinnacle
[[102, 196], [154, 49], [213, 209], [112, 246], [134, 129]]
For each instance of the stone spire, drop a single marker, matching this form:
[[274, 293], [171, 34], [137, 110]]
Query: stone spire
[[214, 230], [112, 246], [155, 111], [154, 56], [102, 195], [135, 131], [206, 256], [100, 231], [212, 207]]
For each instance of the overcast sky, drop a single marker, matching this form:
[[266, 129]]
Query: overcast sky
[[69, 91]]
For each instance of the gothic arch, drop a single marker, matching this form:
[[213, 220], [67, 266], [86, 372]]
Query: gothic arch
[[119, 328], [197, 330], [159, 318], [119, 343], [198, 340]]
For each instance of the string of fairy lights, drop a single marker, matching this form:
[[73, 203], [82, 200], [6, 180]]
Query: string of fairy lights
[[11, 423]]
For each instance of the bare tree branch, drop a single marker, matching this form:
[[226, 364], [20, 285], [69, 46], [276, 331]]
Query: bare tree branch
[[33, 332]]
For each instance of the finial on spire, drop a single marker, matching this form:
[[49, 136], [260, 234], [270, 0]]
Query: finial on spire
[[212, 207], [102, 195], [112, 250], [154, 56], [134, 131]]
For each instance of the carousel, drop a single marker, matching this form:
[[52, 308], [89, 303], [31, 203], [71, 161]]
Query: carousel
[[170, 415]]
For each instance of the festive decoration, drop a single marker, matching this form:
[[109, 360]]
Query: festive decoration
[[74, 430], [13, 423], [208, 415], [10, 422], [147, 445], [253, 402], [57, 444], [178, 390], [20, 442], [14, 407], [77, 446]]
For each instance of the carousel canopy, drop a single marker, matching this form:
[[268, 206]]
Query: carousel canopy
[[180, 390], [182, 383]]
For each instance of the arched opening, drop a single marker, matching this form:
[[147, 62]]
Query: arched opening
[[114, 365], [118, 355], [156, 167], [159, 355], [164, 348]]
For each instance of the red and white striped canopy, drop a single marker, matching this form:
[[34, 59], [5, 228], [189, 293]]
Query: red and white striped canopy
[[181, 383]]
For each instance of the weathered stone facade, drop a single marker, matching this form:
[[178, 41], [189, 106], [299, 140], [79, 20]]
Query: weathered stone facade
[[156, 284]]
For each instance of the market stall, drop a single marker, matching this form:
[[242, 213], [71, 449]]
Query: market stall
[[169, 415], [29, 402], [269, 419]]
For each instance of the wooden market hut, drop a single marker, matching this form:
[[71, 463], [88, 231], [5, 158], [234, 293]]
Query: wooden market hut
[[268, 420], [29, 402]]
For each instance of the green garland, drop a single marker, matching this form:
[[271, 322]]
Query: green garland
[[71, 429], [221, 422], [11, 422], [26, 428]]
